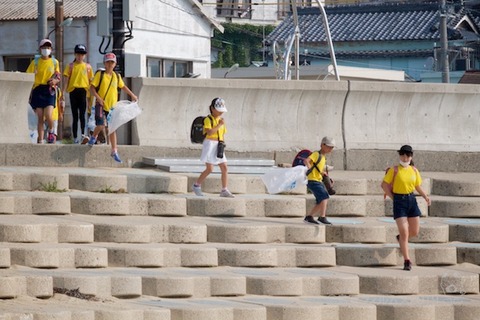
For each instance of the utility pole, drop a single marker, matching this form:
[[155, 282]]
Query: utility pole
[[42, 20], [444, 42], [118, 34], [59, 49]]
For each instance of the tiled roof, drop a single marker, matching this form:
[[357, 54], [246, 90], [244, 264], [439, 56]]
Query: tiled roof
[[471, 76], [369, 23], [28, 9]]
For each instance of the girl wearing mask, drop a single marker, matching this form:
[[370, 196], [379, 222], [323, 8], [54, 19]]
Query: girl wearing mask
[[399, 184], [43, 97]]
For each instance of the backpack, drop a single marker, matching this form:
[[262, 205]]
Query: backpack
[[196, 131], [395, 171], [304, 154]]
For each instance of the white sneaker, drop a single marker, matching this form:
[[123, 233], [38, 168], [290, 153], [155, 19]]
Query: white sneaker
[[197, 190], [226, 194]]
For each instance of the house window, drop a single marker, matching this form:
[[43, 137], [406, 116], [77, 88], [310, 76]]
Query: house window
[[154, 68], [164, 68], [234, 8], [17, 63]]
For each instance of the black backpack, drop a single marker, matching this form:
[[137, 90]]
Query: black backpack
[[196, 131]]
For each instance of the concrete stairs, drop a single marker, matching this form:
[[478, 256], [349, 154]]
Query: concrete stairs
[[124, 243]]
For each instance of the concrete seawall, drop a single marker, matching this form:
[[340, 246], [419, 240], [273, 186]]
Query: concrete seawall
[[369, 120]]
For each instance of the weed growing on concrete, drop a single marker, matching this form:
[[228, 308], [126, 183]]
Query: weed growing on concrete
[[51, 187]]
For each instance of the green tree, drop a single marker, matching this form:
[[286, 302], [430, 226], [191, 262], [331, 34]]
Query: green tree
[[240, 43]]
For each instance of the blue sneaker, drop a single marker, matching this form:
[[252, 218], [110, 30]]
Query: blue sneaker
[[92, 141], [116, 157]]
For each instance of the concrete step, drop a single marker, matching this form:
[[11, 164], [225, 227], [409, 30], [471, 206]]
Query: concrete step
[[191, 165], [365, 307], [274, 255], [237, 281], [78, 228]]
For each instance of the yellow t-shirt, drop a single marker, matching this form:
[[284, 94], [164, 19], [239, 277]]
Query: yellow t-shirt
[[46, 68], [207, 125], [112, 94], [80, 76], [405, 181], [316, 175]]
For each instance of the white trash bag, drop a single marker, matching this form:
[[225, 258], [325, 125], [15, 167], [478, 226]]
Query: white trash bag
[[91, 120], [32, 119], [279, 180], [122, 112]]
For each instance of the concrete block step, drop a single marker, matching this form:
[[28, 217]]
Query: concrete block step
[[25, 202], [455, 207], [63, 307], [45, 229], [365, 307], [190, 165], [235, 281], [152, 161], [389, 255], [419, 281], [52, 255], [78, 228]]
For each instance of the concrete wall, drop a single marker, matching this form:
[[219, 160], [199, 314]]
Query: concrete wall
[[369, 120], [14, 95]]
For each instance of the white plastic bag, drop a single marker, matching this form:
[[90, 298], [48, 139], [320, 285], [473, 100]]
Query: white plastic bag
[[91, 120], [122, 112], [279, 180], [32, 119]]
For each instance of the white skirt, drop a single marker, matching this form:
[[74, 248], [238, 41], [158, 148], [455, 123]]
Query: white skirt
[[209, 152]]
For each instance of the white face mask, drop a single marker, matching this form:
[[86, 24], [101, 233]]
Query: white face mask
[[404, 164], [46, 52]]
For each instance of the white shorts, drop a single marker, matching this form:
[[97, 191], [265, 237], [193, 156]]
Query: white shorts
[[209, 152]]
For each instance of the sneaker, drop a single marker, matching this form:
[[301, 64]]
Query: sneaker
[[92, 141], [310, 219], [197, 190], [51, 137], [407, 265], [85, 139], [324, 220], [116, 157], [226, 194], [76, 141]]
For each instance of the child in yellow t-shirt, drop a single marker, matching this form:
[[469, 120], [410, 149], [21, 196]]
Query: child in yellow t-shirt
[[316, 163], [399, 184], [78, 76], [47, 76], [106, 98], [214, 129]]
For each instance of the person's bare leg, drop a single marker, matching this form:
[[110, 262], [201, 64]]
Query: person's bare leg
[[48, 113], [224, 170], [39, 112], [205, 173], [320, 210], [403, 230]]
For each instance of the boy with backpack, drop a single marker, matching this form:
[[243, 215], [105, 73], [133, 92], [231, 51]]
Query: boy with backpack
[[105, 87], [212, 149], [316, 165]]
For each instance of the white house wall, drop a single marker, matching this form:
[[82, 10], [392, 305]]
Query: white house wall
[[182, 33], [167, 29]]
